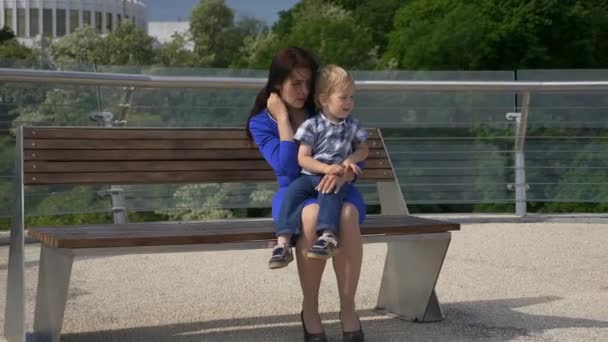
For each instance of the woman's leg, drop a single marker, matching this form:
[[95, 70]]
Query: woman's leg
[[310, 270], [347, 265]]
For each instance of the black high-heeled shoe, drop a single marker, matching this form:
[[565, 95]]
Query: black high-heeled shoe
[[352, 336], [308, 337]]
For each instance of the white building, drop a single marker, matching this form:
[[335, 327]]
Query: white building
[[163, 31], [55, 18]]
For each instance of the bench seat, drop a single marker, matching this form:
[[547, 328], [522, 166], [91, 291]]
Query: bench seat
[[211, 232]]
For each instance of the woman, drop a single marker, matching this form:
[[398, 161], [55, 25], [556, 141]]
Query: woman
[[280, 108]]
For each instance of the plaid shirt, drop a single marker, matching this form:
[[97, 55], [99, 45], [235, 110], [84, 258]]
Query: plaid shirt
[[331, 142]]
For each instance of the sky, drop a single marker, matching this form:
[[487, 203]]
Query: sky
[[266, 10]]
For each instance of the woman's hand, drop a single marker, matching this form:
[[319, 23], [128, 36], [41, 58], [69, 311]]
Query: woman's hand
[[330, 183], [277, 107]]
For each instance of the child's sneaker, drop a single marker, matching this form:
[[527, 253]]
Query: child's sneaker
[[281, 256], [324, 247]]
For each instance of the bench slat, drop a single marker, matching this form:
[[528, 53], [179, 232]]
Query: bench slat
[[169, 177], [89, 144], [155, 166], [229, 231], [146, 144], [143, 133], [135, 133], [117, 155]]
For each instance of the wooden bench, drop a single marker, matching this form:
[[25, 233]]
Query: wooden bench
[[89, 156]]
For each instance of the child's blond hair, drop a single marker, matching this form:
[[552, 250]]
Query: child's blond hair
[[331, 78]]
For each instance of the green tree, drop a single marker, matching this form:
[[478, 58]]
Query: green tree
[[10, 48], [204, 201], [217, 38], [6, 34], [375, 15], [581, 187], [75, 200], [331, 31], [61, 107], [496, 35], [212, 27], [176, 52], [129, 45], [247, 26], [257, 51], [83, 46]]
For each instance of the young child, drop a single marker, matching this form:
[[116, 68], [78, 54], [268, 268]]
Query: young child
[[330, 142]]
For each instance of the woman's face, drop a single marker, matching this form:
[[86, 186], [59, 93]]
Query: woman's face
[[296, 88]]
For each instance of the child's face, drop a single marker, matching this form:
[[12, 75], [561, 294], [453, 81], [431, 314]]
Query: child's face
[[339, 104]]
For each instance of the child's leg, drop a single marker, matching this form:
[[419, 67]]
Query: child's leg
[[289, 215], [330, 208], [289, 220]]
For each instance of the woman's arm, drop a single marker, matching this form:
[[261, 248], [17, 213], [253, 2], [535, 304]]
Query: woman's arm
[[278, 110], [282, 156]]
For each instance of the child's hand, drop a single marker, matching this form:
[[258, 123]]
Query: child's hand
[[348, 164], [334, 169]]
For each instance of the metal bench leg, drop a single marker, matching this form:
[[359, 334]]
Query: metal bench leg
[[53, 282], [411, 270], [14, 318]]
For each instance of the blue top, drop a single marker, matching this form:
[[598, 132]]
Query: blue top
[[283, 158]]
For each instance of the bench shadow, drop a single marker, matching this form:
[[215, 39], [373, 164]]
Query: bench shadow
[[489, 320]]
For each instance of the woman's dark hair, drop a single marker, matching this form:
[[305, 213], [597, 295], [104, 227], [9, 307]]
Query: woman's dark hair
[[283, 63]]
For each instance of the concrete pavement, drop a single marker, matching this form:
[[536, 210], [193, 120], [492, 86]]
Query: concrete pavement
[[500, 282]]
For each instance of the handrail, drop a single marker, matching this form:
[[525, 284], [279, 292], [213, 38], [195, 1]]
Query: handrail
[[149, 81]]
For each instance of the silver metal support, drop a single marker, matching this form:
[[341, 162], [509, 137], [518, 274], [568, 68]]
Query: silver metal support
[[14, 317], [119, 205], [117, 193], [411, 270], [392, 201], [521, 187], [53, 283], [125, 107]]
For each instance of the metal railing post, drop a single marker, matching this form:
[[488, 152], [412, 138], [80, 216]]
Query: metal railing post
[[125, 107], [117, 193], [521, 127]]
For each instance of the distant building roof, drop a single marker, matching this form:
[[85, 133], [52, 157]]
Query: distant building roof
[[164, 30]]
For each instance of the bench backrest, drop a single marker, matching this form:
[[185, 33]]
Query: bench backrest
[[80, 155]]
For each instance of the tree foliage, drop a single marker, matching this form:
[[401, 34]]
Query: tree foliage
[[376, 15], [83, 46], [10, 48], [175, 53], [127, 45], [331, 31], [217, 37], [498, 35]]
